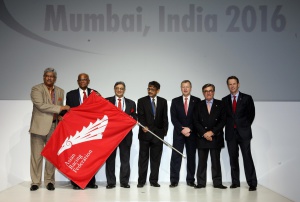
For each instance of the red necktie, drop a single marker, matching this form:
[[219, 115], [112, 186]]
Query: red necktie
[[84, 96], [234, 104], [119, 104], [186, 106]]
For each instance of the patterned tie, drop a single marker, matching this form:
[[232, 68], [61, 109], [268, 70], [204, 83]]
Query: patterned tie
[[153, 107], [119, 104], [208, 107], [186, 105], [84, 96], [234, 104]]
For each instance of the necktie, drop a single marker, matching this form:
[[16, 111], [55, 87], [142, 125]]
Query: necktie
[[186, 106], [234, 108], [84, 96], [153, 106], [208, 107], [234, 104], [119, 104]]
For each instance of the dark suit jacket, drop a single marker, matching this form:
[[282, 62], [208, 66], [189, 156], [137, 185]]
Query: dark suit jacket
[[214, 121], [178, 116], [73, 97], [130, 108], [159, 125], [243, 117]]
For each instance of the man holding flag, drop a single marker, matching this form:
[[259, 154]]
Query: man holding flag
[[129, 107]]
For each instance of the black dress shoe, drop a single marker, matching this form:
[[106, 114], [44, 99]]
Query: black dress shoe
[[110, 186], [75, 187], [233, 186], [92, 186], [191, 184], [50, 186], [140, 185], [199, 186], [172, 185], [125, 185], [34, 187], [252, 188], [155, 184], [220, 186]]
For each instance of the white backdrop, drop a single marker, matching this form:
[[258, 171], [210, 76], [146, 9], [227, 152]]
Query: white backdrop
[[274, 148]]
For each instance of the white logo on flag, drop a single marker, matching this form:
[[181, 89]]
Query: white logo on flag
[[92, 132]]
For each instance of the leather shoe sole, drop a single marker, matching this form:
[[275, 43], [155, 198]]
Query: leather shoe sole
[[220, 186], [155, 184], [140, 185], [191, 184], [93, 186], [125, 185], [172, 185], [110, 186], [50, 187], [34, 187], [199, 186], [233, 186]]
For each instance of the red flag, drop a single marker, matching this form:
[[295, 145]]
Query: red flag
[[86, 137]]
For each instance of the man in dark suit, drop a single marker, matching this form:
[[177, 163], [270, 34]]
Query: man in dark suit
[[240, 113], [182, 109], [75, 98], [153, 114], [129, 107], [209, 121]]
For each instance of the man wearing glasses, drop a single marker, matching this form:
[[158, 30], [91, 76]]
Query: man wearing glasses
[[128, 106], [153, 114], [209, 121]]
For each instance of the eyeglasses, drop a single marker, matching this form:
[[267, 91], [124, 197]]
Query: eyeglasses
[[120, 89], [208, 91], [151, 89], [83, 79]]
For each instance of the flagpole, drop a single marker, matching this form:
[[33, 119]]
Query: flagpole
[[165, 142]]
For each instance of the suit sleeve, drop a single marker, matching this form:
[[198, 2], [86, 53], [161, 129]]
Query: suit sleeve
[[176, 123], [251, 110], [197, 121], [133, 110], [38, 101], [165, 118]]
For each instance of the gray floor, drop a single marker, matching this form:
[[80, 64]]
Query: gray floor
[[65, 193]]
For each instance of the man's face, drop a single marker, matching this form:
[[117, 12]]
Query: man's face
[[119, 90], [49, 79], [152, 91], [186, 89], [233, 86], [83, 81], [209, 93]]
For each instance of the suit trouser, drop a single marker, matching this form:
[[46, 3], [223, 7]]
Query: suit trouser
[[191, 146], [233, 150], [216, 171], [37, 144], [124, 148], [154, 151]]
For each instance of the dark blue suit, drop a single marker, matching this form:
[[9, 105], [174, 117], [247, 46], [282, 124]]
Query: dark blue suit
[[240, 135], [179, 120]]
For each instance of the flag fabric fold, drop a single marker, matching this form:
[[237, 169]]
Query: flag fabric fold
[[86, 137]]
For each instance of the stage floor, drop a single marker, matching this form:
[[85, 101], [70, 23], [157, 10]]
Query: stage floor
[[65, 193]]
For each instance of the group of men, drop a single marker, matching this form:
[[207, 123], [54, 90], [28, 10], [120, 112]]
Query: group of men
[[198, 125]]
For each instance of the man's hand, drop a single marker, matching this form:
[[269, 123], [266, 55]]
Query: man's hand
[[145, 129], [186, 131], [208, 135], [66, 107]]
